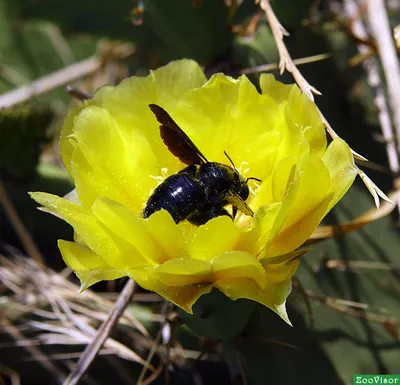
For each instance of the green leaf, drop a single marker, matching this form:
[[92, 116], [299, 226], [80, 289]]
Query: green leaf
[[216, 316]]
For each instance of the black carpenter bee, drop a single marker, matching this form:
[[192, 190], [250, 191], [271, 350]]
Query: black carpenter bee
[[201, 190]]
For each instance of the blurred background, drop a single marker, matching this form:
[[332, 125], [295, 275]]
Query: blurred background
[[345, 303]]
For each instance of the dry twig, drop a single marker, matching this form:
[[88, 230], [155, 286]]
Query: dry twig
[[354, 309], [50, 82], [286, 61], [65, 75], [104, 331], [274, 66]]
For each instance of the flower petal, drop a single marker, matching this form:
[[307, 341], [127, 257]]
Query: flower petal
[[125, 162], [283, 267], [157, 239], [66, 147], [237, 264], [302, 207], [128, 103], [273, 295], [230, 111], [87, 265], [277, 90], [164, 86], [182, 296], [255, 239], [339, 161], [183, 272], [114, 251], [216, 236], [301, 115]]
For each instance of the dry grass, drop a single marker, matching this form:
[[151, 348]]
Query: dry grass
[[40, 308]]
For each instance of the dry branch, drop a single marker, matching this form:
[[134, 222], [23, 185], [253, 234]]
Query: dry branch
[[73, 72], [104, 331], [274, 66], [286, 61], [50, 82]]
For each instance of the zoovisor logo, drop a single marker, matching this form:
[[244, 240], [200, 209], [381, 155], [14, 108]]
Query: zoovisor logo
[[385, 379]]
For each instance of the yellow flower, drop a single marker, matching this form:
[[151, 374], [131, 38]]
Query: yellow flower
[[111, 146]]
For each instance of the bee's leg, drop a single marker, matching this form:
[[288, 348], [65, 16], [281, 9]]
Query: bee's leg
[[234, 212], [203, 216]]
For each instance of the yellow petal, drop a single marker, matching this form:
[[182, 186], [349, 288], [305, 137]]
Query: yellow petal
[[183, 272], [227, 115], [157, 239], [303, 117], [237, 264], [216, 236], [87, 265], [171, 238], [182, 296], [115, 251], [339, 161], [66, 147], [303, 206], [283, 267], [255, 239], [127, 163], [164, 86], [90, 183], [273, 295], [277, 90], [128, 103]]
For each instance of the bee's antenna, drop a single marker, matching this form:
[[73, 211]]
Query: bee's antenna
[[230, 160], [252, 178]]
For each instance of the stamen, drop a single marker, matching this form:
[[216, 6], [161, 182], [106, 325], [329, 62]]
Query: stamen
[[164, 172], [242, 165], [160, 178], [254, 187]]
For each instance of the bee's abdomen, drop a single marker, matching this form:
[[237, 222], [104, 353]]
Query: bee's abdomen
[[179, 194]]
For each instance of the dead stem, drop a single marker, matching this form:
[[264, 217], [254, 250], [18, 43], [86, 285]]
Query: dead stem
[[274, 66], [50, 82], [286, 61], [103, 332], [108, 53], [353, 309]]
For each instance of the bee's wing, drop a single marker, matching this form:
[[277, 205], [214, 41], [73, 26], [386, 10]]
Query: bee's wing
[[178, 143], [235, 200]]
